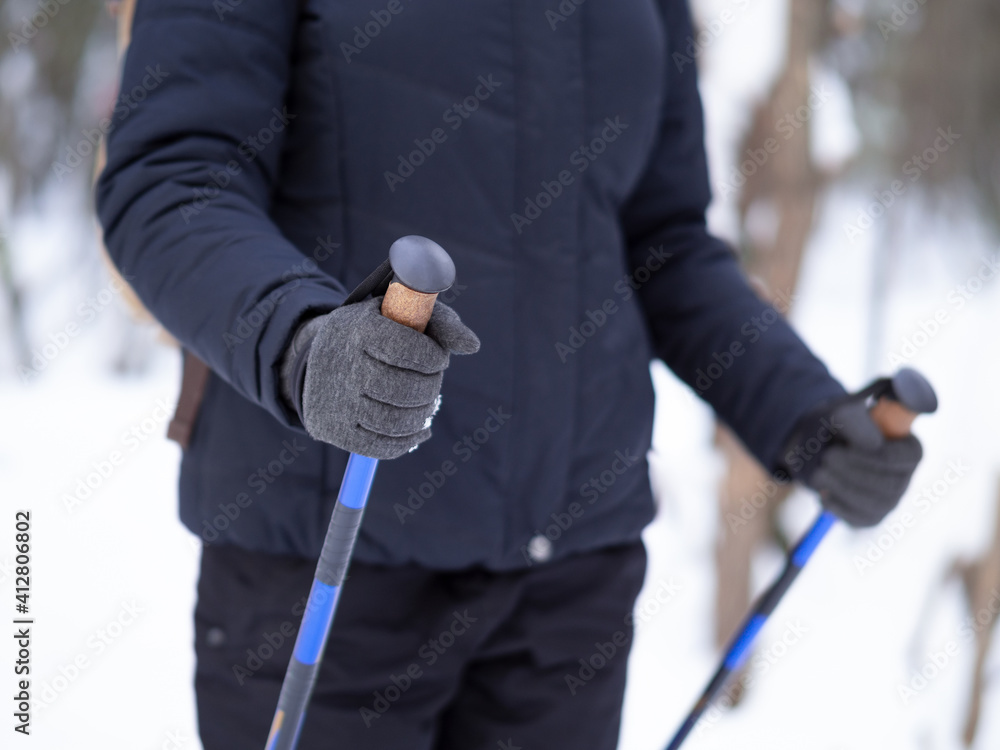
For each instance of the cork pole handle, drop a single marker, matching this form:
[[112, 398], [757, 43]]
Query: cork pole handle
[[408, 307], [423, 269], [909, 394], [892, 418]]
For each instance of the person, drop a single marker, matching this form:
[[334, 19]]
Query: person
[[556, 152]]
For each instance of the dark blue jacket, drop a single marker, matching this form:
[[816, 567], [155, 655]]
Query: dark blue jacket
[[553, 148]]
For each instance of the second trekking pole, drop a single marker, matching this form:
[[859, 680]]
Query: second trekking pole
[[897, 402]]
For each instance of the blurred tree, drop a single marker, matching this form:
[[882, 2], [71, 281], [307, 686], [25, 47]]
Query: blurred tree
[[981, 581], [48, 102], [931, 66], [914, 67], [776, 210], [39, 86]]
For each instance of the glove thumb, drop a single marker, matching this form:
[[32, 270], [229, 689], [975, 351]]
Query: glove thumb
[[855, 425], [450, 332]]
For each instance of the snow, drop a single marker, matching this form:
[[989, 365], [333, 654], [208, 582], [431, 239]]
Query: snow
[[113, 575]]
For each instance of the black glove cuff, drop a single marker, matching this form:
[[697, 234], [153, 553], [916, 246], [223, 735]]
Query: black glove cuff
[[292, 374], [804, 449], [293, 365]]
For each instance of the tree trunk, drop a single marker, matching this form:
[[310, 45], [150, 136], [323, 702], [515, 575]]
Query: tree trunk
[[982, 587], [785, 186]]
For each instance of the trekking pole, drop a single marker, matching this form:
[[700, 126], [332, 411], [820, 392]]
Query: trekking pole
[[897, 402], [422, 270]]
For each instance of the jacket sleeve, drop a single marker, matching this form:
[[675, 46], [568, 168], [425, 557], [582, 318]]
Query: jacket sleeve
[[194, 154], [706, 323]]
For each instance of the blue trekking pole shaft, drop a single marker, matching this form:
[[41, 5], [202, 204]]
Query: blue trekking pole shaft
[[322, 603], [420, 271], [739, 647], [897, 401]]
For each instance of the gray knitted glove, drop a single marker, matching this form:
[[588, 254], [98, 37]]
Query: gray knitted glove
[[840, 452], [371, 385]]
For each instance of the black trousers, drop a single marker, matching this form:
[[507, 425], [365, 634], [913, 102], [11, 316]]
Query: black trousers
[[418, 659]]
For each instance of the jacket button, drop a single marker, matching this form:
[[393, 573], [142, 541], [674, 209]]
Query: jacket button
[[540, 548], [215, 637]]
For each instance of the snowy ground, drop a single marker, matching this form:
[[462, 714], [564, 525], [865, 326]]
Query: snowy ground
[[113, 574]]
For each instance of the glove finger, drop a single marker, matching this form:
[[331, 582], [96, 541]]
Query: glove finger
[[858, 495], [450, 332], [401, 346], [895, 456], [904, 449], [393, 421], [845, 502], [855, 425], [400, 387], [880, 484], [384, 447]]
